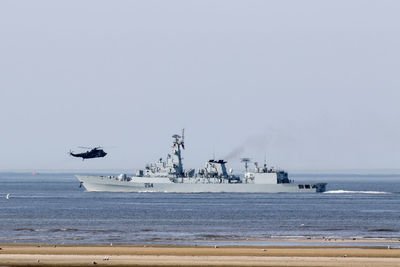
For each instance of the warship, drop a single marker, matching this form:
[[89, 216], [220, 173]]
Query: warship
[[169, 176]]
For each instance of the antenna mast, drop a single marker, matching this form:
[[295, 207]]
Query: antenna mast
[[265, 159], [246, 162]]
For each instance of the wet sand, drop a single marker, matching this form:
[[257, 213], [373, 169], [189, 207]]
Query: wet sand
[[77, 255]]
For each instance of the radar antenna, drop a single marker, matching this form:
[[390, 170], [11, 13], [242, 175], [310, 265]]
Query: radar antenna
[[246, 162]]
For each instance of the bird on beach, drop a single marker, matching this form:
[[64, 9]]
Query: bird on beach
[[8, 196]]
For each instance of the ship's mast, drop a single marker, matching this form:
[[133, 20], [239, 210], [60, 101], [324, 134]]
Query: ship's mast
[[265, 160], [246, 162], [178, 144]]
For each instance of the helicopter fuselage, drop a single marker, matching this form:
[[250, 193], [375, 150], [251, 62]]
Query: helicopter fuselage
[[94, 153]]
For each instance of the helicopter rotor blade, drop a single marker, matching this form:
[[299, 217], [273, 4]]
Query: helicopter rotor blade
[[96, 147]]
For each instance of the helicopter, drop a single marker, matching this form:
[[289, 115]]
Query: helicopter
[[95, 152]]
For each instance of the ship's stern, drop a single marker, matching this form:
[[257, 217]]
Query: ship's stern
[[320, 187]]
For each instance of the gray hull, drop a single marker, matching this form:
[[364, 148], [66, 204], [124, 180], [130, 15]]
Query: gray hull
[[106, 184]]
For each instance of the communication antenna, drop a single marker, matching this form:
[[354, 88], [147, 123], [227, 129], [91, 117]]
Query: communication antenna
[[246, 162], [183, 138], [265, 159]]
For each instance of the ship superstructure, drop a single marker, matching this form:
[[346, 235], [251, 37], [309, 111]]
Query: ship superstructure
[[169, 176]]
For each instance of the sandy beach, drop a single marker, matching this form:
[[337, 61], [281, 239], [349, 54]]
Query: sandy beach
[[70, 255]]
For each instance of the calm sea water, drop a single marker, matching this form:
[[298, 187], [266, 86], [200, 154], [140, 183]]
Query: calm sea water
[[51, 208]]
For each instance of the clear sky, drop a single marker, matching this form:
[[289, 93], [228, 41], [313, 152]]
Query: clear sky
[[314, 84]]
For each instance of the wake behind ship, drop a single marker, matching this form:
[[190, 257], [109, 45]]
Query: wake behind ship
[[169, 176]]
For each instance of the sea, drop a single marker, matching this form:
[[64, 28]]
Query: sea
[[51, 208]]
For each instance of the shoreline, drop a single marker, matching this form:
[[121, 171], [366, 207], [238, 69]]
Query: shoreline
[[233, 241], [172, 255]]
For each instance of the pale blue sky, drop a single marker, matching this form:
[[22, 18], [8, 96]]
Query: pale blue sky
[[315, 84]]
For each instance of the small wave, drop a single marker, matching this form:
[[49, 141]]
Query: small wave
[[25, 229], [55, 230], [354, 192], [383, 230], [73, 238], [63, 230], [215, 236], [101, 231]]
